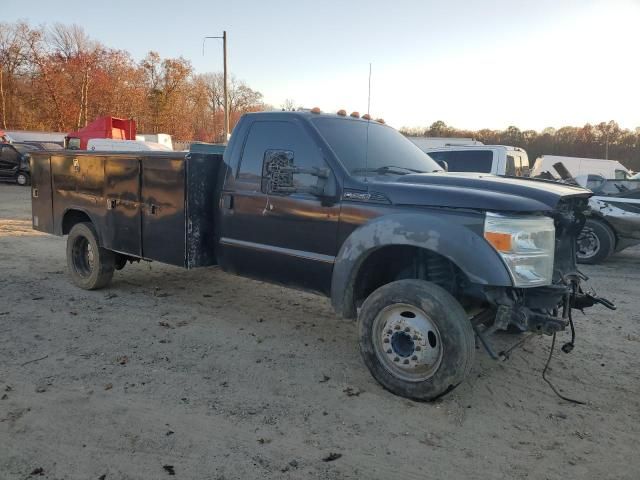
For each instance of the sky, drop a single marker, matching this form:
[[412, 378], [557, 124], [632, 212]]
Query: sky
[[473, 64]]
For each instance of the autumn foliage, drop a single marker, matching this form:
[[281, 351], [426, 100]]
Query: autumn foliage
[[58, 79], [604, 140]]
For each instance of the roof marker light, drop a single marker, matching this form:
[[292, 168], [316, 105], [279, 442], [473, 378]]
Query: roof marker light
[[342, 113], [316, 110], [366, 116], [380, 120], [355, 114]]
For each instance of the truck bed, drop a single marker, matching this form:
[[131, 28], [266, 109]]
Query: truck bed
[[150, 205]]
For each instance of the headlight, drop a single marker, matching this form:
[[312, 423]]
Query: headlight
[[526, 244]]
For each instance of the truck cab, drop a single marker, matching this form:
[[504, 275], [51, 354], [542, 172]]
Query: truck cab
[[344, 206], [494, 159]]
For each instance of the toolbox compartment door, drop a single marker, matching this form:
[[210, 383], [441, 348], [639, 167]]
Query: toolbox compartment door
[[41, 193], [163, 209], [122, 203]]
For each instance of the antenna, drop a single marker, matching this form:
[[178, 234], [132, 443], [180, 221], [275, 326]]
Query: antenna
[[369, 95], [366, 149]]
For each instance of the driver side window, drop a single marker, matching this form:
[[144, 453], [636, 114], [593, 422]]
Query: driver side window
[[269, 136]]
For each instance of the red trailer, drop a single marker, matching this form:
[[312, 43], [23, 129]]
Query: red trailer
[[102, 127]]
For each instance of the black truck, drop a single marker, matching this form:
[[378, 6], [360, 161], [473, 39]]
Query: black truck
[[344, 206], [14, 164]]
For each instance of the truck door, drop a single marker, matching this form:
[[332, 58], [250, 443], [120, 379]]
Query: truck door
[[9, 161], [287, 238]]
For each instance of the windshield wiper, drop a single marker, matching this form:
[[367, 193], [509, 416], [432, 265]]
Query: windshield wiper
[[392, 169]]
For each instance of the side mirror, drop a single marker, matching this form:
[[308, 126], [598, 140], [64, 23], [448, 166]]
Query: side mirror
[[443, 164]]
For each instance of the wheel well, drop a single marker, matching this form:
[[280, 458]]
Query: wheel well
[[397, 262], [72, 217]]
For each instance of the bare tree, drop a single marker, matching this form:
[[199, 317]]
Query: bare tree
[[288, 105], [77, 49], [14, 55]]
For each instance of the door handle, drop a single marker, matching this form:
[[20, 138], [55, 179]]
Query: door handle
[[227, 201]]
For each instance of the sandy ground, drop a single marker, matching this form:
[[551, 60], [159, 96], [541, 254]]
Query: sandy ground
[[222, 377]]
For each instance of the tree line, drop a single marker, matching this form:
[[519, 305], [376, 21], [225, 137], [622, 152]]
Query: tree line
[[57, 78], [604, 140]]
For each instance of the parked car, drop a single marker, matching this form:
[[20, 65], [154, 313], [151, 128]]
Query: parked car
[[495, 159], [14, 164], [345, 207], [580, 167], [614, 220]]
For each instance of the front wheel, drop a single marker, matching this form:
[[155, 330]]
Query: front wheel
[[90, 266], [416, 339], [596, 242]]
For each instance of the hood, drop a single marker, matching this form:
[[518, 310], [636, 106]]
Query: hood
[[478, 191]]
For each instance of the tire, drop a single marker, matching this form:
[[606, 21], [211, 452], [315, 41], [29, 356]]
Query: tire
[[90, 266], [23, 179], [595, 243], [415, 339]]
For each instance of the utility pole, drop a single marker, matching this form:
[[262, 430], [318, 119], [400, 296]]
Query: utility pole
[[225, 81], [226, 88]]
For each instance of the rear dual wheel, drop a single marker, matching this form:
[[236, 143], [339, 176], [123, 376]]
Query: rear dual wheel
[[416, 339], [90, 266]]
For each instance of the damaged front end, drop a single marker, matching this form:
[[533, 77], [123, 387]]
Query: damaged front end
[[544, 309]]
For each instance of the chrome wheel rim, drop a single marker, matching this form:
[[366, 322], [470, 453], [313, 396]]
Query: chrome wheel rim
[[407, 342], [588, 243], [83, 257]]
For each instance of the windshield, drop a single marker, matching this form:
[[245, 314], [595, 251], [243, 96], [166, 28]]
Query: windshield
[[387, 150], [466, 160]]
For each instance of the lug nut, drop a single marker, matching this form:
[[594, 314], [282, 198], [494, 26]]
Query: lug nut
[[418, 348], [389, 351], [386, 340], [407, 329], [397, 327], [406, 361], [397, 359], [389, 331], [414, 358]]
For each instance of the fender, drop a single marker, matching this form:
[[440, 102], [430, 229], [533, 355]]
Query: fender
[[59, 225], [453, 235]]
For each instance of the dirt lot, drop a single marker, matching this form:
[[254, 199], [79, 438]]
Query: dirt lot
[[224, 377]]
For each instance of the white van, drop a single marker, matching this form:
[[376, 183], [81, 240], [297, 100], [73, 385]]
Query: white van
[[581, 167], [161, 138], [112, 145], [434, 142], [495, 159]]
